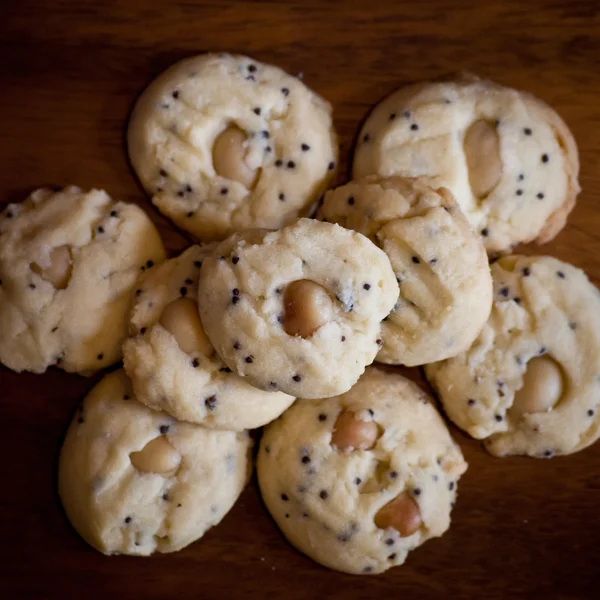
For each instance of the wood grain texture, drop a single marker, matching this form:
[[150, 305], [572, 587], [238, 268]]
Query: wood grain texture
[[69, 74]]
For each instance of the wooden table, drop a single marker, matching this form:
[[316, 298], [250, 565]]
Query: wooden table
[[69, 73]]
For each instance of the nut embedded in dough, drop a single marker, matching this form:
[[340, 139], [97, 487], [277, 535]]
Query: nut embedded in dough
[[241, 302], [352, 433], [361, 512], [181, 319], [221, 148], [542, 387], [509, 159], [189, 386], [58, 272], [229, 157], [402, 514], [308, 307], [132, 481], [482, 151], [157, 456]]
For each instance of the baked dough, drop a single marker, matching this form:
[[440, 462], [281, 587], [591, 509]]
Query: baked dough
[[135, 481], [530, 383], [509, 159], [223, 142], [440, 264], [259, 289], [330, 500], [69, 261], [190, 383]]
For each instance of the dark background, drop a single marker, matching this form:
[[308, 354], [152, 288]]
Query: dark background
[[69, 73]]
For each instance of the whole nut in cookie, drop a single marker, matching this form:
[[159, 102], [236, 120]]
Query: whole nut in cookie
[[361, 512], [402, 514], [241, 149], [351, 433], [540, 399], [133, 481], [509, 159], [189, 386], [58, 272], [542, 387], [446, 292], [228, 157], [482, 151], [181, 319], [308, 306], [246, 289], [157, 456]]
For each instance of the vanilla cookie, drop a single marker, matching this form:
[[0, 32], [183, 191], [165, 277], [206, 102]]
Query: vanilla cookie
[[173, 366], [297, 310], [509, 159], [224, 143], [135, 481], [530, 384], [358, 481], [439, 262], [69, 261]]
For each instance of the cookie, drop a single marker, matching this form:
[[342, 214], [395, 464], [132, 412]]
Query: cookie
[[440, 264], [135, 481], [359, 480], [224, 143], [530, 384], [69, 261], [173, 366], [509, 159], [297, 310]]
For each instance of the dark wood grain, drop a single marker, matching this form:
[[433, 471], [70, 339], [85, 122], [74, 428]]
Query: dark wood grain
[[69, 73]]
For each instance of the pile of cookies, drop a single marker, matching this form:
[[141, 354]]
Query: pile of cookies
[[274, 318]]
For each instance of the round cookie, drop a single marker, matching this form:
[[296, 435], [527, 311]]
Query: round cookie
[[509, 159], [173, 366], [135, 481], [224, 143], [297, 310], [69, 261], [439, 262], [357, 481], [530, 384]]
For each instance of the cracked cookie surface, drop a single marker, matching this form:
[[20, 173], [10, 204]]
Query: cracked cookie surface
[[530, 383], [173, 366], [69, 261], [358, 481], [440, 264], [509, 159], [297, 310], [224, 142], [135, 481]]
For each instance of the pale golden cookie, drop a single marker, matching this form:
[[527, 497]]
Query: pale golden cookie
[[358, 481], [509, 159], [171, 362], [440, 264], [135, 481], [224, 143], [69, 261], [297, 310], [530, 384]]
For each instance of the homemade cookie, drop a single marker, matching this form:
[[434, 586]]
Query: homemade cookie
[[173, 366], [135, 481], [224, 143], [439, 262], [509, 159], [297, 310], [530, 384], [69, 261], [357, 481]]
